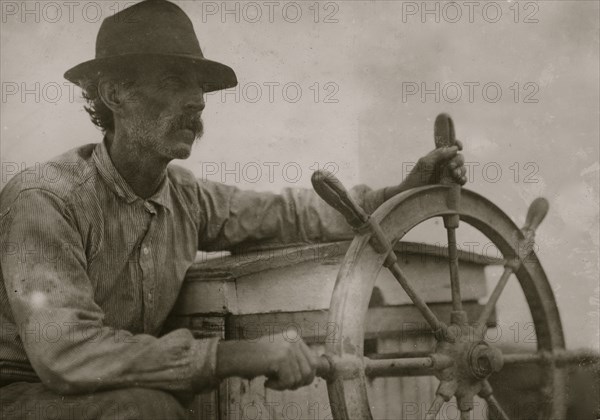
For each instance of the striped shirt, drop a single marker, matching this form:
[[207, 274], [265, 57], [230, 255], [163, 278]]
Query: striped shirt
[[91, 270]]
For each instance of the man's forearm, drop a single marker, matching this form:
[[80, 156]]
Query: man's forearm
[[238, 358], [389, 192], [287, 364]]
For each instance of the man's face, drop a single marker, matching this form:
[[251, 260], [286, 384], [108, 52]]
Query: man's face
[[162, 112]]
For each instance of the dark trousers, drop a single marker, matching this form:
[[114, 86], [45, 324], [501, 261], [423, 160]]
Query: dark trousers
[[32, 401]]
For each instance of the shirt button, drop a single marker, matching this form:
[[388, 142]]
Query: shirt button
[[145, 251], [149, 207]]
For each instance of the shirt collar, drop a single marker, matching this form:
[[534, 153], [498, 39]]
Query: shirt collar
[[119, 186]]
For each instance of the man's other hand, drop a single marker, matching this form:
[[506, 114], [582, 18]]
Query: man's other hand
[[429, 168], [292, 364], [284, 359]]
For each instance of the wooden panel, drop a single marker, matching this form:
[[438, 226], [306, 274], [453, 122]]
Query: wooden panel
[[206, 297], [311, 284], [256, 259], [313, 326], [308, 286], [402, 398], [430, 278], [251, 400], [400, 321]]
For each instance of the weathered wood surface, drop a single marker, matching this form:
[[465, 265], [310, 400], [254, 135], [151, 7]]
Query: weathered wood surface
[[399, 321], [252, 283], [289, 289]]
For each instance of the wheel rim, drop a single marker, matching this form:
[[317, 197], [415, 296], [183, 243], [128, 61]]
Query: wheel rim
[[359, 270]]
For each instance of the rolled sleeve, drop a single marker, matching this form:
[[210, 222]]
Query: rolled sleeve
[[61, 326]]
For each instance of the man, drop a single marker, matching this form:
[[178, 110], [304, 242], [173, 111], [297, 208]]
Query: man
[[92, 262]]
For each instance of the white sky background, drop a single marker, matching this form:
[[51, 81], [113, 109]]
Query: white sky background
[[369, 52]]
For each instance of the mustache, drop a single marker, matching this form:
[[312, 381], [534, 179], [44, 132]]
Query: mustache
[[190, 122]]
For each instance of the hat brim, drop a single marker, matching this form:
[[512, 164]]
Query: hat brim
[[215, 76]]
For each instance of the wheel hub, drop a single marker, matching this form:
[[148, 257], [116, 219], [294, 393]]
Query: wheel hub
[[474, 360], [484, 359]]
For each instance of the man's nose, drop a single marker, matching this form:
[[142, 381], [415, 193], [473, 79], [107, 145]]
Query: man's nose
[[195, 102]]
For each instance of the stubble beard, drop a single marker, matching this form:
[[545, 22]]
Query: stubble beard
[[158, 136]]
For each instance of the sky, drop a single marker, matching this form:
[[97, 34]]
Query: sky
[[354, 86]]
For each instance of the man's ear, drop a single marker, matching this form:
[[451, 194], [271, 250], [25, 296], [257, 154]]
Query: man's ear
[[113, 94]]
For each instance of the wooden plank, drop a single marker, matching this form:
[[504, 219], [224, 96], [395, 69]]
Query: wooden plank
[[308, 286], [401, 398], [207, 297], [260, 258], [255, 260], [441, 252], [431, 280], [305, 286], [313, 326], [403, 321]]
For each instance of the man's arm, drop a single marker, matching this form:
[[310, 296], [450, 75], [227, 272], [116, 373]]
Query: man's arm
[[72, 351], [287, 364], [231, 217], [61, 327]]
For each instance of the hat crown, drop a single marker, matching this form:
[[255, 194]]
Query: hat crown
[[152, 29], [148, 27]]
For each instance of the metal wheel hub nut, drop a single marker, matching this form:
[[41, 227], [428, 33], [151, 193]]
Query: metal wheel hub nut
[[483, 360]]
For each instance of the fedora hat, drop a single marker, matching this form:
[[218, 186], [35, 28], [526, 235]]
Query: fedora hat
[[151, 30]]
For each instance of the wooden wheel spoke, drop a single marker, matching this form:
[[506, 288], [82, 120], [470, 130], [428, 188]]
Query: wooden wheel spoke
[[465, 415], [451, 223], [493, 300], [517, 358], [494, 405], [487, 394], [435, 408], [408, 366], [438, 327], [453, 263], [398, 367], [558, 357]]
